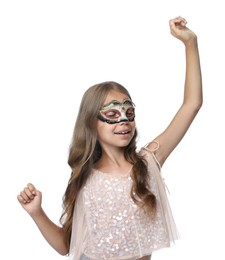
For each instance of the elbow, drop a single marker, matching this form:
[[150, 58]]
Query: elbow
[[62, 249], [195, 105], [199, 103], [198, 106], [63, 252]]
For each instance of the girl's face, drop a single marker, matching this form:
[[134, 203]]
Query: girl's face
[[116, 125]]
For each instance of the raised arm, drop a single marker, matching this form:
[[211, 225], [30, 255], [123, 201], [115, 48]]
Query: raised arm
[[30, 199], [192, 100]]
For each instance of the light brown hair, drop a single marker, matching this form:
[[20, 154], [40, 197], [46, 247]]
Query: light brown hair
[[85, 150]]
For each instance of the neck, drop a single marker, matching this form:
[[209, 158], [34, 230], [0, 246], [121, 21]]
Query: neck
[[113, 162]]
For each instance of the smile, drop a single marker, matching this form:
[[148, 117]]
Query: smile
[[122, 132]]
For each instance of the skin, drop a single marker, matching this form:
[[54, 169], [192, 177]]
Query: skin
[[112, 142], [112, 159], [192, 100]]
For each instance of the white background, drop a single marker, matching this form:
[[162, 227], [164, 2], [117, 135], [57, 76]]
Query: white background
[[52, 51]]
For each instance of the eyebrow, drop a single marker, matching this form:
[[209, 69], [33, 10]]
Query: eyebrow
[[116, 102]]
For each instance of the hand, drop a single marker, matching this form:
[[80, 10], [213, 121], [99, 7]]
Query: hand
[[180, 31], [30, 199]]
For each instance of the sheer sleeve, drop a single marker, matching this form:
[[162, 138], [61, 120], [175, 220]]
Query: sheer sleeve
[[79, 229], [155, 169]]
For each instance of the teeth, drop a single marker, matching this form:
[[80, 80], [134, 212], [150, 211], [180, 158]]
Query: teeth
[[123, 132]]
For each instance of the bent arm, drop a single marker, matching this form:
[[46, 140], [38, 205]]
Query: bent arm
[[192, 100], [53, 234], [30, 199]]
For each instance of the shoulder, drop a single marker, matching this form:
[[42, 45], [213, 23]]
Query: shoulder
[[148, 153], [152, 146]]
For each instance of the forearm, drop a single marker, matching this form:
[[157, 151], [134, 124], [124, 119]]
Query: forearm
[[193, 78], [53, 234]]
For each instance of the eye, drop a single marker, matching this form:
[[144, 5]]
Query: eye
[[130, 113], [112, 114]]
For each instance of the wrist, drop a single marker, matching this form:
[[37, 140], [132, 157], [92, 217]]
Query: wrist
[[38, 213], [192, 42]]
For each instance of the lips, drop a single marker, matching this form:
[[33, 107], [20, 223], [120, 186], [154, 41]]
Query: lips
[[123, 132]]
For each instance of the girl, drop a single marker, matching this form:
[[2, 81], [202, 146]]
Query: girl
[[115, 204]]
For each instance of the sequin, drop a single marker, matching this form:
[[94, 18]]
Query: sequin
[[115, 227], [125, 230]]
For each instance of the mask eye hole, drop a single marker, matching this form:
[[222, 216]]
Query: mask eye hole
[[111, 114], [130, 113]]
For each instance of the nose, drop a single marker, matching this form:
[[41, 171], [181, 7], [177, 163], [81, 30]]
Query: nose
[[124, 121]]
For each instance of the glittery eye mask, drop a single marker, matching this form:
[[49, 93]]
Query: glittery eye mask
[[116, 112]]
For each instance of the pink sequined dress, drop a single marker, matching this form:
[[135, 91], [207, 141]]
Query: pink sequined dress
[[107, 224]]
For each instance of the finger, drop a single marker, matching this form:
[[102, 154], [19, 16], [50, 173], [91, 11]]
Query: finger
[[26, 195], [28, 192], [22, 200], [178, 20], [181, 18], [32, 189]]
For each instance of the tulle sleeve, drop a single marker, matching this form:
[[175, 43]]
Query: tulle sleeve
[[79, 230], [155, 169]]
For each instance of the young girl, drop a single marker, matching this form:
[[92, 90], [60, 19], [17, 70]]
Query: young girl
[[115, 204]]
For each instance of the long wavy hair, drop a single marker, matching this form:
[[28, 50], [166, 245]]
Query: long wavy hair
[[85, 150]]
